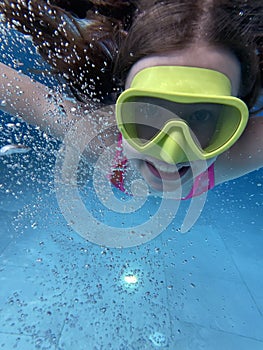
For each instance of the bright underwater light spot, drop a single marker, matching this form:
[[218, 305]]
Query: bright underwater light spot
[[130, 279]]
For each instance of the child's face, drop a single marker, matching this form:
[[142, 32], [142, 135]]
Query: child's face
[[162, 176]]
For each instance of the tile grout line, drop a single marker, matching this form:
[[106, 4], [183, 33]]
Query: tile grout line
[[167, 296], [60, 333]]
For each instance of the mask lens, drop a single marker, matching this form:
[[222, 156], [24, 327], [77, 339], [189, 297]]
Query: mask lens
[[149, 119], [203, 122], [145, 117]]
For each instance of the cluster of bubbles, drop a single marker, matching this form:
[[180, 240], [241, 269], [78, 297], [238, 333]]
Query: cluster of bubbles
[[27, 154]]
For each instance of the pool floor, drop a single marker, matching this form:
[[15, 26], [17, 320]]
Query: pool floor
[[193, 291]]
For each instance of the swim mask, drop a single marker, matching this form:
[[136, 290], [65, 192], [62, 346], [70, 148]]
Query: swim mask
[[179, 114]]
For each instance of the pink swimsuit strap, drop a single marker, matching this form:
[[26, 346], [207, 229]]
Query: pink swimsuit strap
[[202, 183], [119, 168]]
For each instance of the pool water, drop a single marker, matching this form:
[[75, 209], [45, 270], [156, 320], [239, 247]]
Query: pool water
[[200, 290]]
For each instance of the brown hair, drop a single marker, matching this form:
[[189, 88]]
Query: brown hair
[[93, 44], [79, 39], [171, 25]]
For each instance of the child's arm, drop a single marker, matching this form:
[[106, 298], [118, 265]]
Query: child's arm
[[245, 156], [33, 102], [39, 105]]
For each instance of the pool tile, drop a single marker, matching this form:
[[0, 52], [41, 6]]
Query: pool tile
[[189, 336], [116, 324], [205, 285], [201, 250], [214, 303], [7, 232], [51, 246], [109, 313], [245, 247], [17, 341], [32, 302]]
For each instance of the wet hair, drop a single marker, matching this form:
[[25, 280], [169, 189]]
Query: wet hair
[[166, 26], [93, 44], [78, 38]]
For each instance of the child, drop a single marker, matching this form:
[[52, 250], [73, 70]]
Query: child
[[186, 74]]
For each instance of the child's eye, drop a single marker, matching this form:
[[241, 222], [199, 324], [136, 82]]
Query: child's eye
[[202, 115]]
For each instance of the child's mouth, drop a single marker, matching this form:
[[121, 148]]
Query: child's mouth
[[167, 175]]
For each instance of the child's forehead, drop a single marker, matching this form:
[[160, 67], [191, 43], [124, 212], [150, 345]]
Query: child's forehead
[[200, 56]]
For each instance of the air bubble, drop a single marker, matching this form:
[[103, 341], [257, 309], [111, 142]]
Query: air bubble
[[34, 225], [158, 339]]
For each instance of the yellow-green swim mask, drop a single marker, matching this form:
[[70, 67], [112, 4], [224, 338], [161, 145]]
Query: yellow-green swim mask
[[179, 114]]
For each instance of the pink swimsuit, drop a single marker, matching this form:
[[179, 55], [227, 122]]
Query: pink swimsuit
[[202, 183]]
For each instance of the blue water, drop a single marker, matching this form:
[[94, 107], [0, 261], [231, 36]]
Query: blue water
[[200, 290], [196, 291]]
